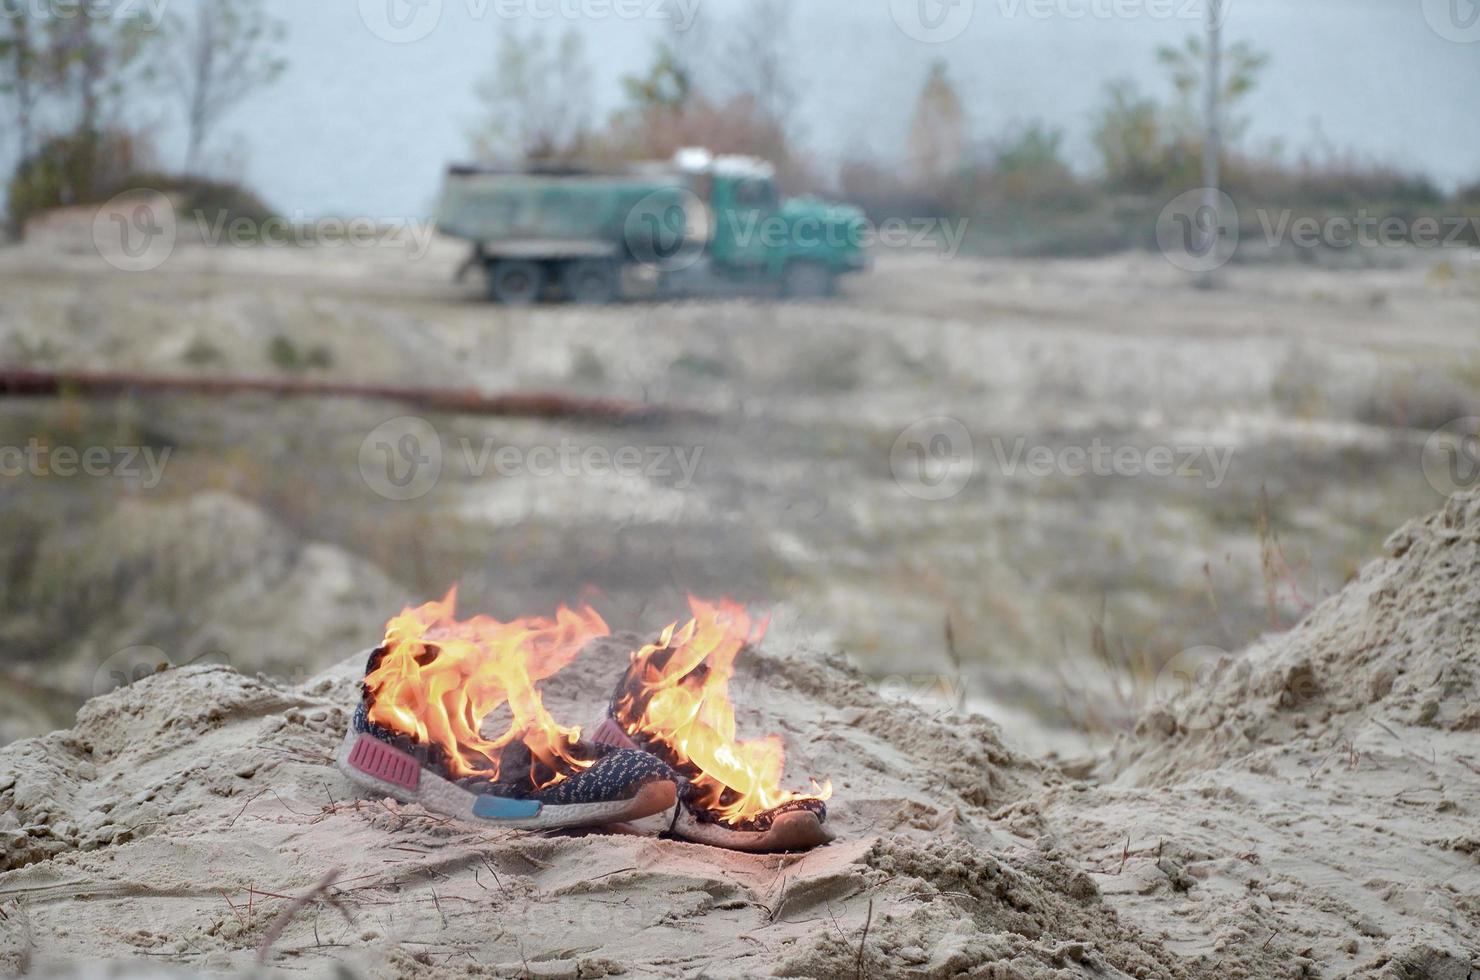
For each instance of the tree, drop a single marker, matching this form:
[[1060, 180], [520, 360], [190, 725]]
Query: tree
[[65, 73], [736, 126], [687, 39], [219, 55], [1190, 65], [666, 86], [1198, 70], [1128, 134], [756, 59], [88, 60], [20, 73], [937, 140], [1034, 148], [67, 69], [537, 99], [667, 112]]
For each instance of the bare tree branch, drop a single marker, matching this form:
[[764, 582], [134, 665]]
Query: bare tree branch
[[219, 55]]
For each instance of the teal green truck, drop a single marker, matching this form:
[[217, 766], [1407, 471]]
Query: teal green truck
[[698, 226]]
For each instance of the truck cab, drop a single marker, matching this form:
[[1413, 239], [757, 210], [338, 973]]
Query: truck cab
[[799, 246]]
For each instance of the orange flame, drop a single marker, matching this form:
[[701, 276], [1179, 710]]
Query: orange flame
[[440, 678], [676, 696]]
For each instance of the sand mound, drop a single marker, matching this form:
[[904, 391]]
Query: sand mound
[[1310, 807], [144, 829], [210, 578], [1312, 816], [1399, 644]]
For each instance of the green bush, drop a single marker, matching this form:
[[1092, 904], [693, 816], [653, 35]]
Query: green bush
[[212, 200], [70, 170], [1128, 134]]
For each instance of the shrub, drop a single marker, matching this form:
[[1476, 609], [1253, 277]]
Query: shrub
[[1128, 135], [1468, 195], [70, 170], [735, 126], [214, 200], [882, 193], [1026, 166]]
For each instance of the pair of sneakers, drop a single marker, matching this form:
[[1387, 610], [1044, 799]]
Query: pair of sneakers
[[627, 771]]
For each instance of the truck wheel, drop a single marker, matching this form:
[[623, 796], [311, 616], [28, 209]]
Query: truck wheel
[[807, 280], [515, 282], [589, 281]]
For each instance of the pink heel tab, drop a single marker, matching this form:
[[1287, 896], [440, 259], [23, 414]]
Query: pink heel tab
[[385, 762]]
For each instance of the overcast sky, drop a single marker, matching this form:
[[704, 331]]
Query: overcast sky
[[379, 94]]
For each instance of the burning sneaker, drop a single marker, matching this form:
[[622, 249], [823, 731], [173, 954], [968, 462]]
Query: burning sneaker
[[674, 702], [417, 734]]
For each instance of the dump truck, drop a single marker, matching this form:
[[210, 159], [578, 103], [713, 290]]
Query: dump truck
[[695, 226]]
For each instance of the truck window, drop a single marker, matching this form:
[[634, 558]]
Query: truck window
[[756, 194]]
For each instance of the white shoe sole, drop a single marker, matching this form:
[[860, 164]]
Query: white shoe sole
[[386, 770]]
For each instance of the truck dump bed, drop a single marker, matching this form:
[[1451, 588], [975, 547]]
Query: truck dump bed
[[575, 212]]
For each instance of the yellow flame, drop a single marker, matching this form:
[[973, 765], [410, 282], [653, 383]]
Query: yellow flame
[[441, 677], [676, 693]]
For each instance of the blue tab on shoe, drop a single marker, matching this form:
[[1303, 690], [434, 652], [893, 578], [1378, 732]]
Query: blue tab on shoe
[[500, 808]]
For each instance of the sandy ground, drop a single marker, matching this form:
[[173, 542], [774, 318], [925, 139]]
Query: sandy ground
[[1123, 805], [1051, 599], [1306, 810]]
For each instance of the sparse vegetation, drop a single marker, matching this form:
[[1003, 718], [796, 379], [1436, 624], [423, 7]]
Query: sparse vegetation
[[214, 58], [287, 356], [675, 104], [202, 352], [1024, 199], [536, 99], [67, 83], [212, 201], [68, 170], [586, 366]]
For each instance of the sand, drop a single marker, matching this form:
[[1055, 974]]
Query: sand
[[1323, 377], [208, 579], [1310, 811]]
